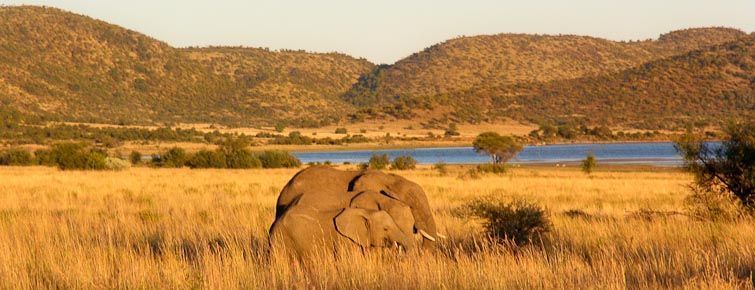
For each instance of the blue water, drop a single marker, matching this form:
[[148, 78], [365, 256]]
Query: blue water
[[658, 154]]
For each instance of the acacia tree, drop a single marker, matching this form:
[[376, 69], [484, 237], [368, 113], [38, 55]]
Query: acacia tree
[[728, 168], [499, 148]]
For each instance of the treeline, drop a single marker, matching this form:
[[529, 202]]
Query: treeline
[[296, 138], [111, 137], [79, 156], [232, 155], [107, 136], [548, 132], [65, 156]]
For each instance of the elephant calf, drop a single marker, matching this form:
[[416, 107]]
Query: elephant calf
[[322, 207], [306, 230]]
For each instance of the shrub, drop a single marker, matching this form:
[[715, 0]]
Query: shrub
[[441, 168], [44, 157], [175, 157], [713, 206], [379, 161], [728, 169], [116, 164], [452, 130], [208, 159], [403, 163], [68, 156], [135, 157], [280, 127], [341, 131], [471, 173], [589, 164], [241, 159], [278, 159], [519, 222], [491, 168], [16, 157]]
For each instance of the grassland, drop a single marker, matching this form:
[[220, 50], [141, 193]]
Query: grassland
[[181, 228]]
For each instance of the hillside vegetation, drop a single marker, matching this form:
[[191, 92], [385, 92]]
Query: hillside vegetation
[[465, 73], [704, 87], [64, 66], [60, 66], [291, 83]]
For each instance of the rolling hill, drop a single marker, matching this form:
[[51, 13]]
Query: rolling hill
[[64, 66], [707, 86], [291, 83], [61, 66], [431, 77]]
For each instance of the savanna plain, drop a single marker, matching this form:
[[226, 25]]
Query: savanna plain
[[182, 228]]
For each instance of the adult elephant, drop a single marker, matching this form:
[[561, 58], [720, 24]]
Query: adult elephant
[[324, 188]]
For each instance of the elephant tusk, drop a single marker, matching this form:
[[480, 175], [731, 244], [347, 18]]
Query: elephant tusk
[[442, 236], [426, 235]]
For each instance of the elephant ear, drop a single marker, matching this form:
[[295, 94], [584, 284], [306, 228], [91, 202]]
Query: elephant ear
[[352, 223]]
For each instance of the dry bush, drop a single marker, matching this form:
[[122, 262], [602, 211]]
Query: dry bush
[[519, 222]]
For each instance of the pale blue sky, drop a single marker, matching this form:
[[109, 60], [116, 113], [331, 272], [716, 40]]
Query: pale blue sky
[[388, 30]]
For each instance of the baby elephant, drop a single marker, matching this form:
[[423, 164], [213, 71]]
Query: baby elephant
[[372, 220]]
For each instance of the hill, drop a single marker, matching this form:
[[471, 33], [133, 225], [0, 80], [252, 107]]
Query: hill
[[60, 66], [707, 86], [292, 83], [63, 66], [429, 77]]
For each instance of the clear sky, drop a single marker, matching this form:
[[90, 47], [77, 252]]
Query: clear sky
[[385, 31]]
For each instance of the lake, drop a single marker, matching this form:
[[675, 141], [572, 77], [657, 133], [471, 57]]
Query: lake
[[657, 154]]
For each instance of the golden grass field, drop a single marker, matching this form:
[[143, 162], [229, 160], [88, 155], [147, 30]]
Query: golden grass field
[[182, 228]]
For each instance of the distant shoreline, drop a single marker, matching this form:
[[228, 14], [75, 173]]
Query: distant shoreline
[[331, 148]]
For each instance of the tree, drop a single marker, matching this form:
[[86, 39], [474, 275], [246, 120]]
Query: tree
[[175, 157], [589, 164], [403, 163], [499, 148], [379, 161], [728, 168], [452, 130], [135, 157]]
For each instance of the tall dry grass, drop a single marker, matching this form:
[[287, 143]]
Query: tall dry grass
[[181, 228]]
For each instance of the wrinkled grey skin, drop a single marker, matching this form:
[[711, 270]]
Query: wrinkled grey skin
[[326, 189], [305, 231]]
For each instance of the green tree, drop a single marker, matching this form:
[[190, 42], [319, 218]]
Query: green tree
[[589, 164], [499, 148], [278, 159], [68, 156], [379, 161], [175, 157], [725, 169], [208, 159], [16, 157], [135, 157], [452, 130], [280, 127], [403, 163]]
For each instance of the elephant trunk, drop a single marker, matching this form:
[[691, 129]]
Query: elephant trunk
[[405, 241], [423, 217]]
